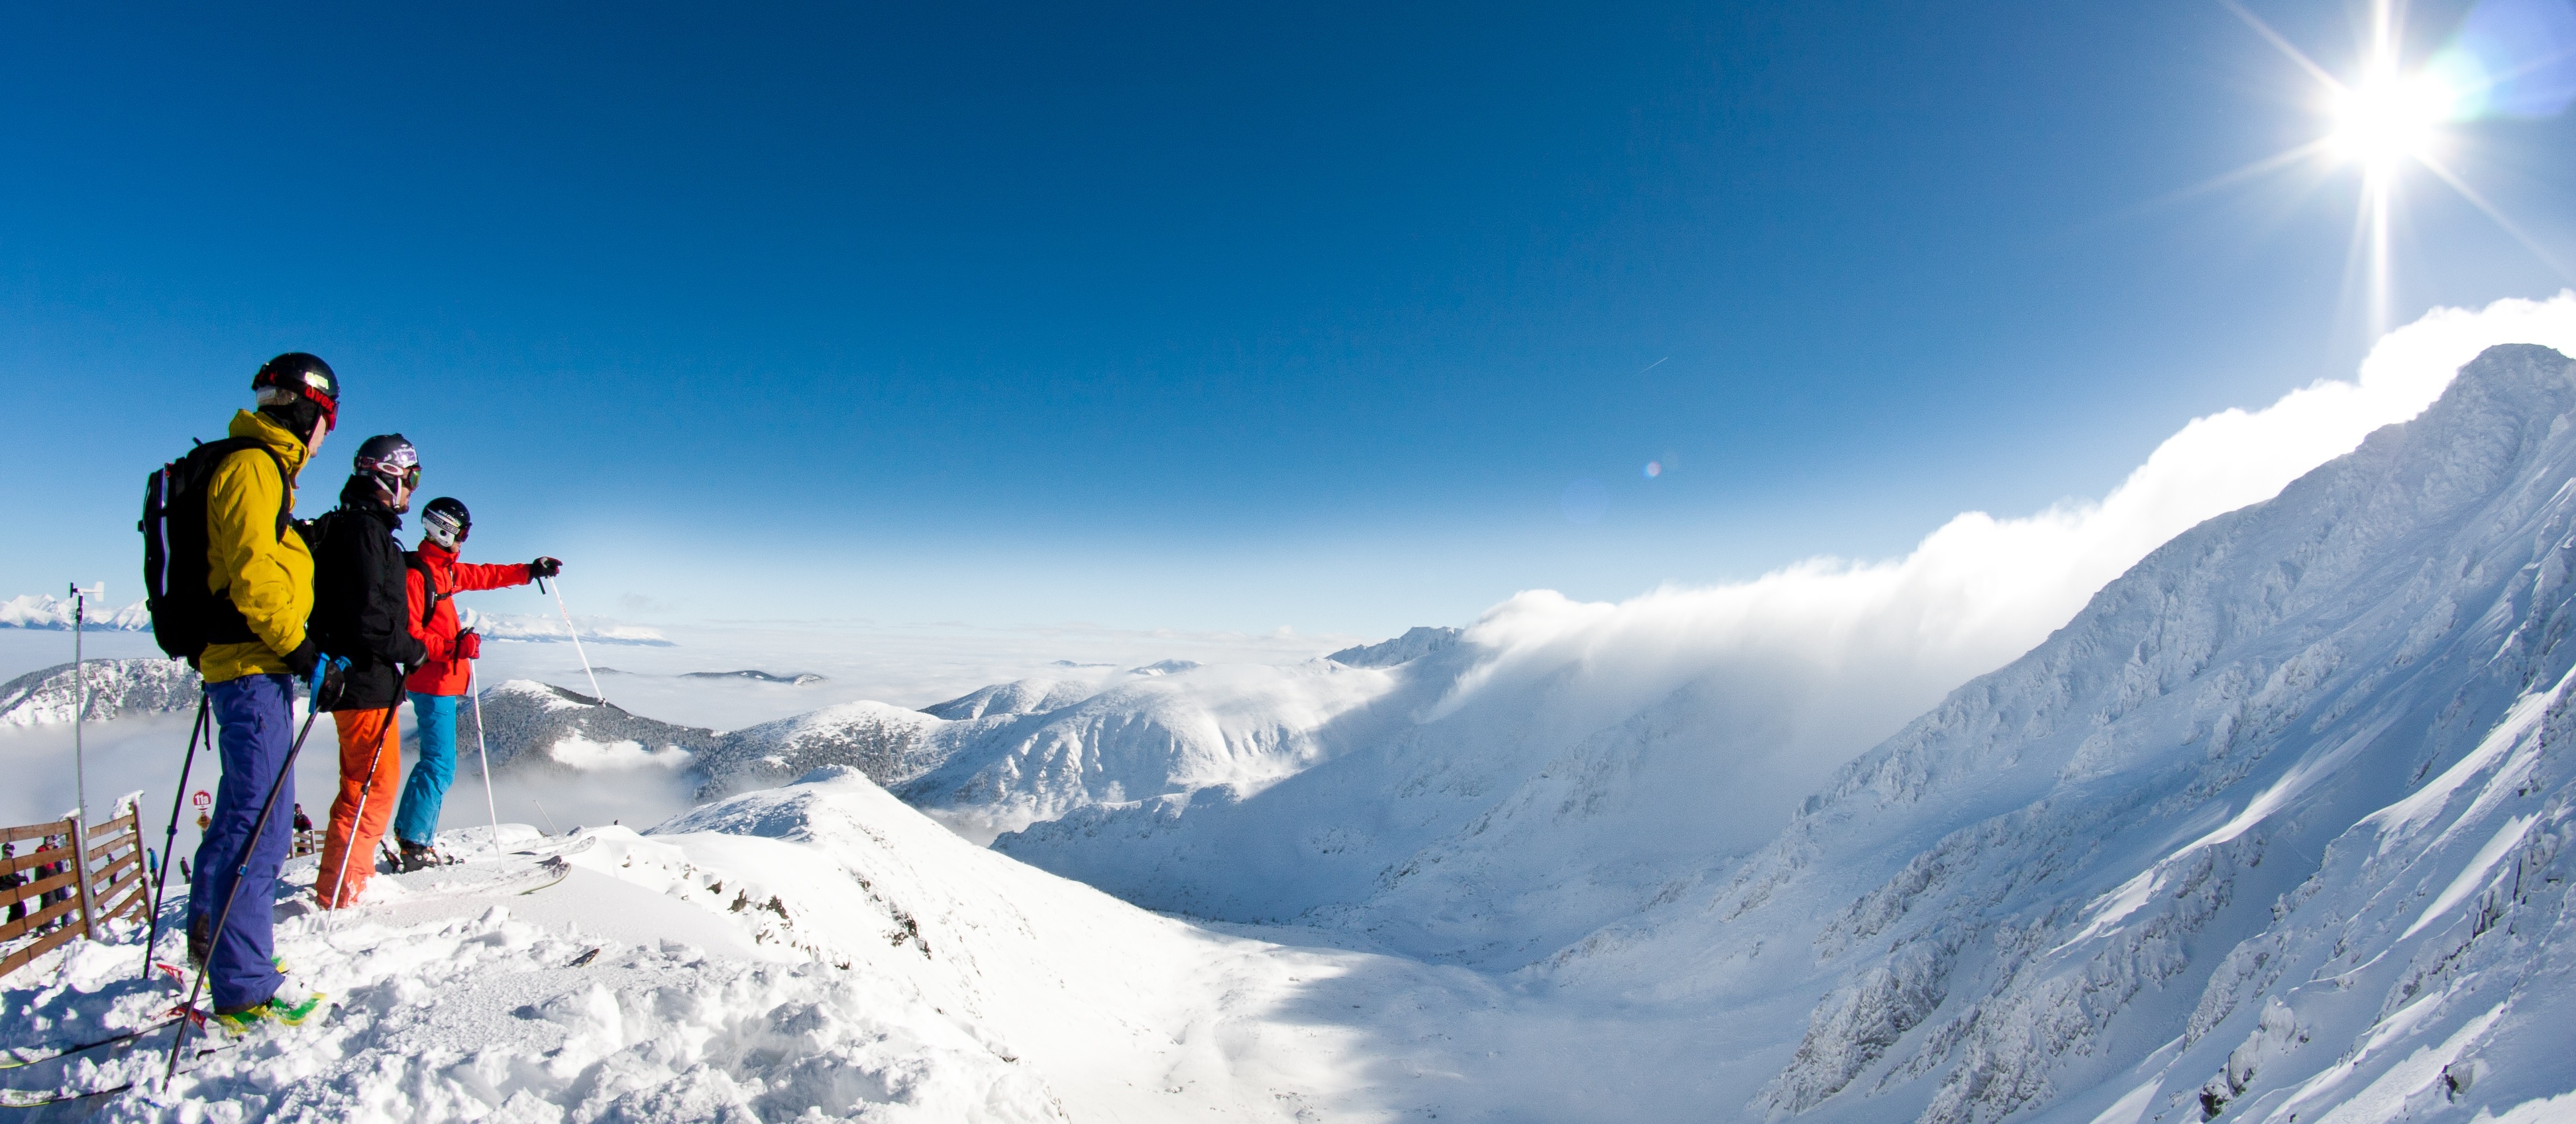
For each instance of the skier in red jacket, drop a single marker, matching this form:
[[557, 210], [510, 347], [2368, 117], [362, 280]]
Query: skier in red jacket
[[435, 578]]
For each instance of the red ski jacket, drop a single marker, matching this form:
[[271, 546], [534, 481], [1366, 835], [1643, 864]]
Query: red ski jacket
[[441, 673]]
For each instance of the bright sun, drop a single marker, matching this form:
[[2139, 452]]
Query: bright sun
[[2388, 118]]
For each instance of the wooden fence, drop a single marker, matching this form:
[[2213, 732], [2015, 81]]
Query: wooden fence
[[65, 891]]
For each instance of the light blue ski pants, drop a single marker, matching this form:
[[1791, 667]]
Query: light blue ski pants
[[417, 820]]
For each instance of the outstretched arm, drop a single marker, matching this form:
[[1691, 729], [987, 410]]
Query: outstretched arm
[[476, 575]]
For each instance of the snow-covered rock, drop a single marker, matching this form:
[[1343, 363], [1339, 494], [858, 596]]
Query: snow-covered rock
[[115, 688]]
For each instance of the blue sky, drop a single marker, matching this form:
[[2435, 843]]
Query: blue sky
[[1185, 317]]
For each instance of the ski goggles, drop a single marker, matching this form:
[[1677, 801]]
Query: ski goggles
[[394, 471], [444, 529], [275, 394]]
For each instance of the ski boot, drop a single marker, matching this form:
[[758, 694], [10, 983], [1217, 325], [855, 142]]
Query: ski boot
[[291, 1006], [417, 856]]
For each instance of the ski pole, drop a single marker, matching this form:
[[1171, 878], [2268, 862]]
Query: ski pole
[[170, 839], [489, 805], [241, 869], [357, 823], [557, 590]]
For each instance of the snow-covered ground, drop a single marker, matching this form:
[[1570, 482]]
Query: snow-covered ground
[[822, 951]]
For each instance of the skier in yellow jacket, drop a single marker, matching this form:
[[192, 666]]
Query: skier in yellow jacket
[[262, 575]]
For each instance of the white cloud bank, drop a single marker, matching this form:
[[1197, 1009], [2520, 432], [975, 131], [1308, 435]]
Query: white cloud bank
[[1824, 658]]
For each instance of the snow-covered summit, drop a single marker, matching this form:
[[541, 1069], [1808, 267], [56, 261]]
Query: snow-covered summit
[[1417, 642], [40, 611]]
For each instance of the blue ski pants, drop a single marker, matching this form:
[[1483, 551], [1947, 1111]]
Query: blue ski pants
[[426, 792], [254, 730]]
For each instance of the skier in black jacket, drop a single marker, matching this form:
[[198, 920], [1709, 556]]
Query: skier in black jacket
[[360, 606]]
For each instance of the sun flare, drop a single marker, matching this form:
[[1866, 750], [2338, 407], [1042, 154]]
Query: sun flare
[[2388, 118]]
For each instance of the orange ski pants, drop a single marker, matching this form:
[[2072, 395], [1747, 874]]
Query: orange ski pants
[[370, 784]]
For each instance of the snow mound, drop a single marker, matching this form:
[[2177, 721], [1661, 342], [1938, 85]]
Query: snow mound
[[1417, 642], [116, 688], [40, 611], [818, 952]]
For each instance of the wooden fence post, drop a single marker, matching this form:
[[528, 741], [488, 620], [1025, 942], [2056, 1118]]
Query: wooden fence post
[[80, 874]]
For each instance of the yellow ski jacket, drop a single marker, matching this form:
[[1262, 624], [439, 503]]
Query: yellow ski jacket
[[268, 575]]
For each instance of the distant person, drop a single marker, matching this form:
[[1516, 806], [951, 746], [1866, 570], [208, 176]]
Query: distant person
[[436, 578], [302, 822], [262, 574], [11, 881], [360, 611]]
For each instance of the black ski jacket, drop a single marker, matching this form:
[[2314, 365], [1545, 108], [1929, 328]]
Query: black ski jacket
[[360, 606]]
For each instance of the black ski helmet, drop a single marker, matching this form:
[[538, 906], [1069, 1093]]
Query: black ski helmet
[[445, 521], [300, 387], [389, 455]]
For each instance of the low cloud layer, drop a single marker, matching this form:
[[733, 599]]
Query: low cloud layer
[[1824, 658]]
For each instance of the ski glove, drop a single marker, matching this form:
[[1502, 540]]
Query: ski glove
[[469, 645], [329, 685], [545, 567], [301, 660]]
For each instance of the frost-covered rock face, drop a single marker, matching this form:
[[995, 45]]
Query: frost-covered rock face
[[116, 688], [2276, 829]]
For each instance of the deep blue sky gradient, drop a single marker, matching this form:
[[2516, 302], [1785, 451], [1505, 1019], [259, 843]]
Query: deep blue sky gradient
[[1189, 316]]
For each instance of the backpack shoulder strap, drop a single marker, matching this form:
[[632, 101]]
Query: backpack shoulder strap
[[214, 453], [429, 591]]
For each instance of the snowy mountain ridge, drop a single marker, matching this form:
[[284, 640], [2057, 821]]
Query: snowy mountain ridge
[[114, 688], [41, 611], [2278, 822]]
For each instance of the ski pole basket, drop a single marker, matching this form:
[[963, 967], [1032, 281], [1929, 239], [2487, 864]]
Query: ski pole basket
[[59, 891]]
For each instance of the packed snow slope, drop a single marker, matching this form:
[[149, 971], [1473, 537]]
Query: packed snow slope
[[814, 952]]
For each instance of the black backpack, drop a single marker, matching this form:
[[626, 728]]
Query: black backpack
[[186, 616]]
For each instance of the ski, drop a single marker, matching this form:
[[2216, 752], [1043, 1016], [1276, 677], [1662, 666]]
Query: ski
[[26, 1098], [17, 1057]]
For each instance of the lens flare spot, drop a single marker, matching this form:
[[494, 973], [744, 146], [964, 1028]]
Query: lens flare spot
[[1585, 501], [1654, 469]]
